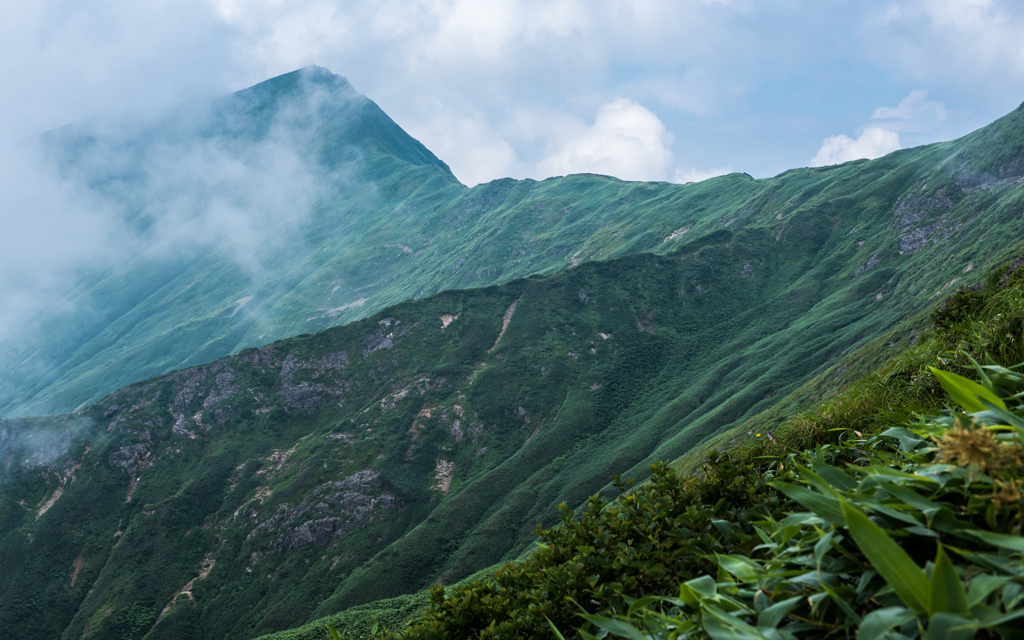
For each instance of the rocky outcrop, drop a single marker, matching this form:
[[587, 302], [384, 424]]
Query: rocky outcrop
[[915, 218], [326, 514], [307, 395], [1009, 172], [133, 457]]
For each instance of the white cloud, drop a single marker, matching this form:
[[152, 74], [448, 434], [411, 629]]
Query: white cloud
[[971, 44], [682, 176], [913, 113], [473, 149], [873, 142], [626, 141]]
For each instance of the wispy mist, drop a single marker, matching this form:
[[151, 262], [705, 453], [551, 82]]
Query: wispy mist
[[31, 443], [232, 180]]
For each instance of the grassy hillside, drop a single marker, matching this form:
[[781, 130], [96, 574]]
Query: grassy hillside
[[780, 518], [425, 442], [381, 220]]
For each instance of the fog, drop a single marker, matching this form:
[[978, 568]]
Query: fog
[[226, 179]]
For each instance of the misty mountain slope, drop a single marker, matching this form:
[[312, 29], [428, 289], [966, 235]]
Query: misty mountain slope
[[425, 441], [297, 205]]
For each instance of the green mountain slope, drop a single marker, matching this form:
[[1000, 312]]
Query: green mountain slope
[[373, 219], [425, 442]]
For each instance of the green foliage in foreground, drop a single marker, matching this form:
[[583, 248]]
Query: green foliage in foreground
[[894, 531], [923, 540]]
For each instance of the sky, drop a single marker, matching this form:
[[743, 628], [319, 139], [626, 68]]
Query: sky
[[665, 90], [674, 90]]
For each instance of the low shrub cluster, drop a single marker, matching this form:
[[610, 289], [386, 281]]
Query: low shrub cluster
[[609, 554], [920, 538], [859, 519]]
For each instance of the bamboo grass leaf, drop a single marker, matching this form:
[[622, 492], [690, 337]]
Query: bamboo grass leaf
[[880, 622], [947, 626], [982, 586], [946, 592], [612, 625], [966, 393], [825, 507], [773, 615], [1001, 540], [889, 560]]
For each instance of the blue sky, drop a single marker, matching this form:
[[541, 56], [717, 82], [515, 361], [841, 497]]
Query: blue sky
[[658, 90]]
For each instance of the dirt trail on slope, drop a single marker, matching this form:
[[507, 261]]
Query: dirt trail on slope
[[505, 319], [77, 564]]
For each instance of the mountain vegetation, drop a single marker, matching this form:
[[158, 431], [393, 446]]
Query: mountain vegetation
[[770, 540], [536, 339]]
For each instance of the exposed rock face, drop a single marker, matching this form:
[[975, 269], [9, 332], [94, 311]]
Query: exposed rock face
[[872, 262], [912, 219], [133, 457], [326, 514], [305, 395], [970, 183]]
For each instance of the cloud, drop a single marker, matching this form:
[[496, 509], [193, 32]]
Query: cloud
[[474, 149], [52, 229], [108, 194], [682, 176], [626, 141], [913, 113], [65, 60], [970, 44], [873, 142]]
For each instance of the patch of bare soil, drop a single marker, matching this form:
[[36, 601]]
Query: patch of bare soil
[[447, 319], [443, 475], [77, 564], [505, 319], [204, 571]]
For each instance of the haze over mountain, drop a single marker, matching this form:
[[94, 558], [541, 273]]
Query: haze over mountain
[[505, 348]]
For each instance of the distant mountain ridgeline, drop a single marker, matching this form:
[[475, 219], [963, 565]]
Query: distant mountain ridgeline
[[297, 204], [424, 441]]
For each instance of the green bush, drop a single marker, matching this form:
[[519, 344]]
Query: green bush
[[609, 554], [921, 538]]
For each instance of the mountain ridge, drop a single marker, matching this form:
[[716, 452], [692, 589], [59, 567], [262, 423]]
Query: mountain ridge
[[424, 441]]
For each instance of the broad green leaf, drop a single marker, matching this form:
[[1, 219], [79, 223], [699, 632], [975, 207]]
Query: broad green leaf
[[558, 634], [982, 586], [618, 627], [693, 591], [909, 497], [964, 392], [945, 590], [835, 477], [879, 622], [640, 603], [741, 567], [722, 626], [816, 481], [946, 626], [888, 559], [823, 506], [1001, 565], [773, 615], [1001, 540], [334, 632], [992, 623], [908, 441], [1000, 414], [822, 547]]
